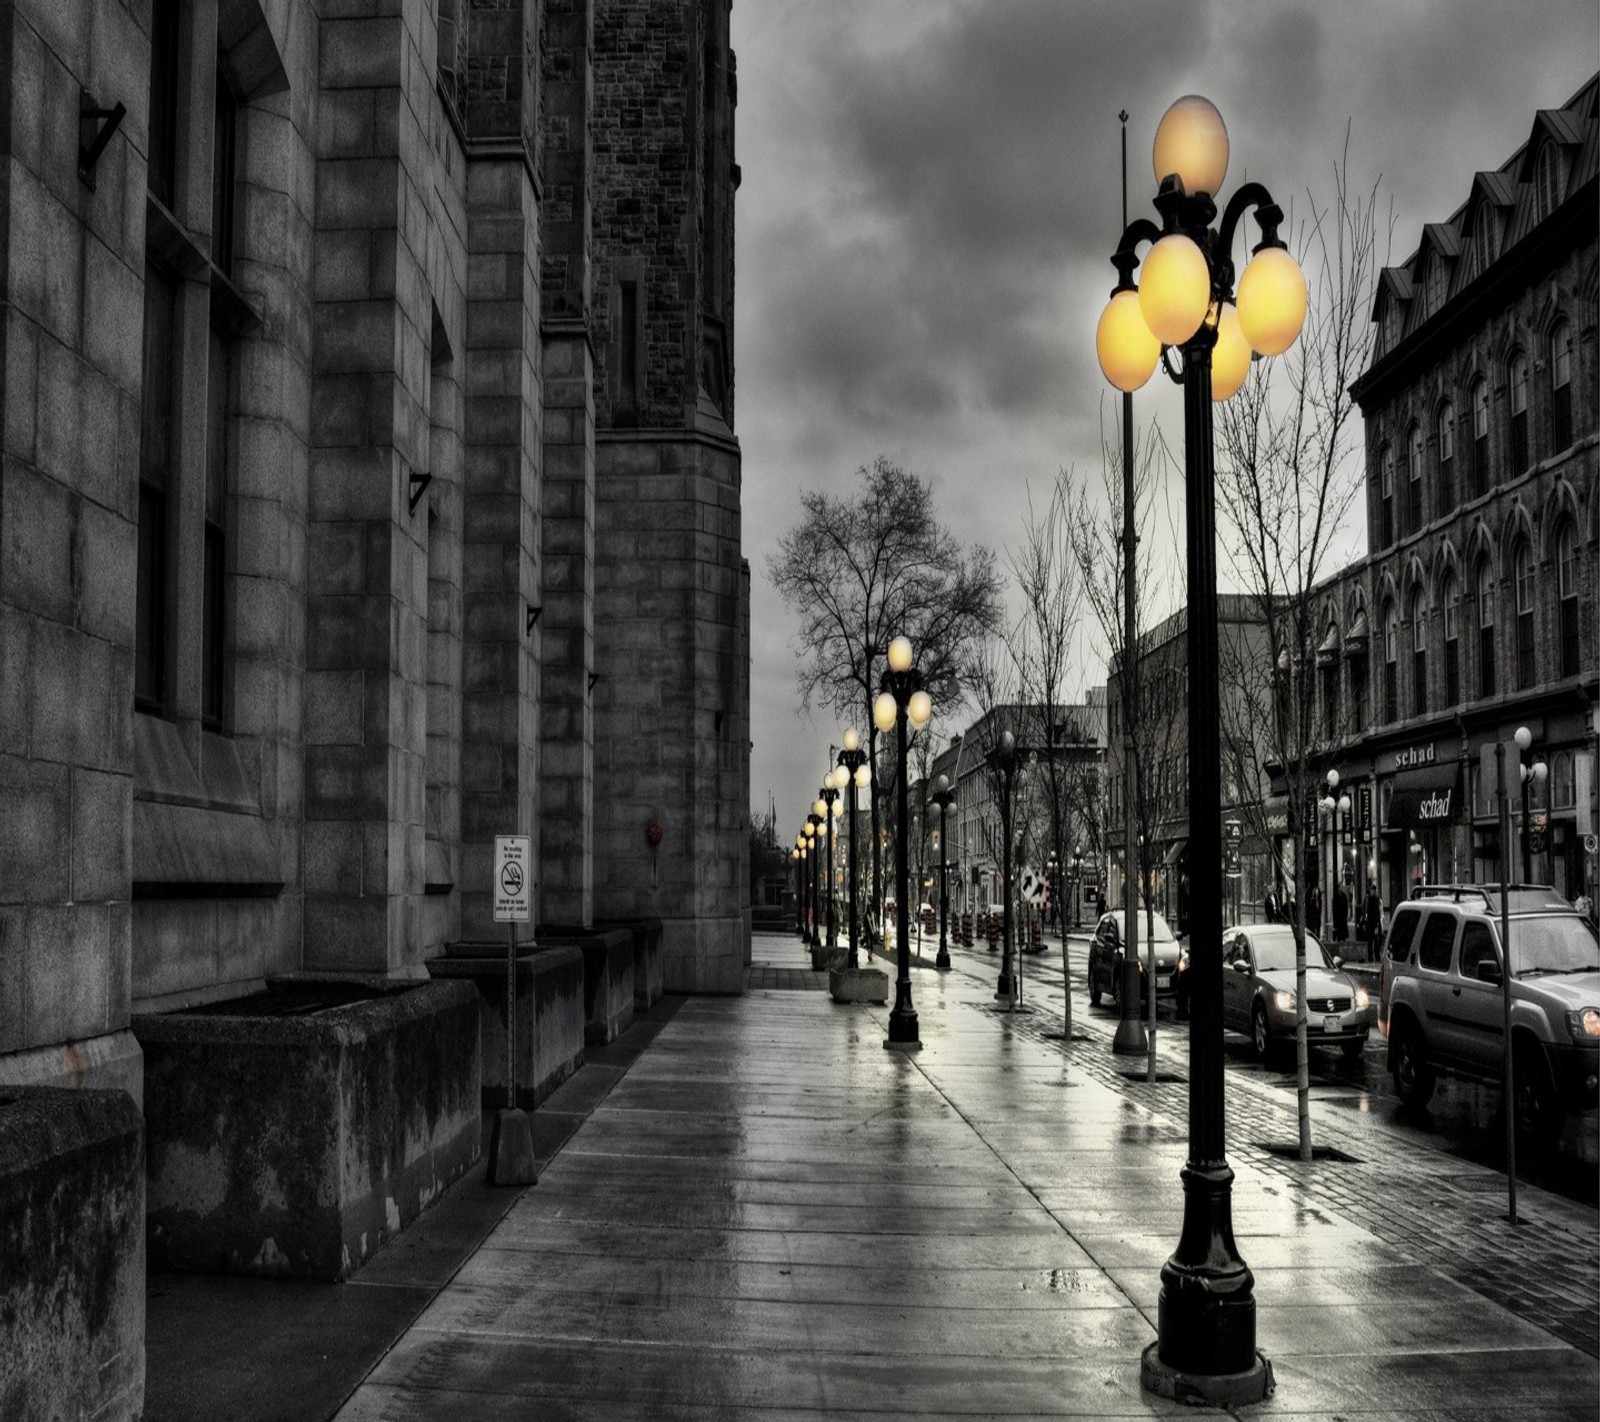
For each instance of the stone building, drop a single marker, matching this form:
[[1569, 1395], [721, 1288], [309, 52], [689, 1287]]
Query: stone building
[[370, 490], [1475, 611]]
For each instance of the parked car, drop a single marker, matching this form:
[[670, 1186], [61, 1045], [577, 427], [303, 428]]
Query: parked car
[[1105, 955], [1259, 986], [1442, 1004]]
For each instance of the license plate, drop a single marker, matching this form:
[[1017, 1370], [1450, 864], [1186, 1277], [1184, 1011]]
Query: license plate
[[1331, 1024], [1163, 980]]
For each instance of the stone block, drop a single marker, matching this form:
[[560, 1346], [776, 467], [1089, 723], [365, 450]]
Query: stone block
[[607, 978], [858, 984], [550, 1014], [72, 1255], [35, 842], [299, 1144], [36, 540], [102, 828], [648, 983]]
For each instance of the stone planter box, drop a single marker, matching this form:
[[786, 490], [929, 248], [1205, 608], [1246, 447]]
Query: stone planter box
[[71, 1255], [295, 1132], [550, 1015], [649, 979], [608, 992], [858, 984]]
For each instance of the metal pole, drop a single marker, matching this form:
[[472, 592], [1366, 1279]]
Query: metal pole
[[1527, 842], [511, 1017], [1006, 987], [1510, 1097], [855, 961], [903, 1018], [942, 961], [833, 935]]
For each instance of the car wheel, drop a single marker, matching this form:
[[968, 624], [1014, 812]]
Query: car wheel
[[1260, 1035], [1413, 1077], [1540, 1114], [1353, 1050]]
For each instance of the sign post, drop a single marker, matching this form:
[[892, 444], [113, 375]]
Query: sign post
[[511, 1158]]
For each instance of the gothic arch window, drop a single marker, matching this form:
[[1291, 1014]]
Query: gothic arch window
[[1523, 575], [1567, 595], [1436, 283], [1485, 242], [1546, 181], [1386, 496], [1517, 376], [1419, 652], [1480, 436], [1561, 385], [1485, 587], [1391, 662], [1447, 454], [1414, 477], [1450, 606]]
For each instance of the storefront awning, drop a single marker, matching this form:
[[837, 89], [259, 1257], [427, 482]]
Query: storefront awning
[[1358, 635], [1328, 648], [1424, 797]]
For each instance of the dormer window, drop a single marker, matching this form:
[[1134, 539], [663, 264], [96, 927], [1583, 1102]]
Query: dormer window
[[1436, 283], [1546, 181], [1390, 324], [1485, 240]]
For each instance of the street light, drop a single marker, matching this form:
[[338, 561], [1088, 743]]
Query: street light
[[943, 795], [1206, 1344], [829, 811], [814, 855], [1004, 759], [799, 919], [902, 702], [858, 775], [1531, 775], [1077, 884]]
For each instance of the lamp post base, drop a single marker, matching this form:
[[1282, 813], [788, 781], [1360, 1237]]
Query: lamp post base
[[1130, 1039], [902, 1032], [1205, 1389], [942, 959]]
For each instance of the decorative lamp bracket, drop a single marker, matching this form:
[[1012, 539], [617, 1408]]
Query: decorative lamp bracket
[[95, 127], [419, 486]]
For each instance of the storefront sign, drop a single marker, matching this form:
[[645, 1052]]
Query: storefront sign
[[1409, 758], [1423, 797], [1366, 813]]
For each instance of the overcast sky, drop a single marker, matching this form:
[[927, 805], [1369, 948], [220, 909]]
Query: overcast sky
[[931, 193]]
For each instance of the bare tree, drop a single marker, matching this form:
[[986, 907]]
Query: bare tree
[[864, 569], [1287, 479]]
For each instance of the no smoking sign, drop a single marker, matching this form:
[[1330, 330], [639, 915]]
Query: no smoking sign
[[513, 879]]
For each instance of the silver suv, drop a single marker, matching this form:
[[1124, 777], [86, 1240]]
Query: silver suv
[[1441, 1003]]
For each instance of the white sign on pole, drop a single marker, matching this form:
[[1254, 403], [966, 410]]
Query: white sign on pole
[[513, 878], [1033, 886]]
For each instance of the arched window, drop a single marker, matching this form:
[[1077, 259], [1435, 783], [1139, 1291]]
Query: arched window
[[1567, 594], [1391, 663], [1386, 496], [1485, 585], [1450, 601], [1414, 478], [1437, 283], [1484, 240], [1480, 436], [1518, 374], [1447, 455], [1546, 181], [1522, 566], [1328, 665], [1419, 653], [1561, 386]]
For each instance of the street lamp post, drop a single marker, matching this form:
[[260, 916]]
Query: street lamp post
[[1077, 887], [799, 899], [943, 795], [814, 858], [1003, 759], [1531, 775], [853, 761], [827, 809], [902, 702], [1206, 1344]]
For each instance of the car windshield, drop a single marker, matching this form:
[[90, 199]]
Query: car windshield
[[1559, 944], [1151, 926], [1274, 951]]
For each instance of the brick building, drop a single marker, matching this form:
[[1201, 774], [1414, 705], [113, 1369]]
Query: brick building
[[370, 490]]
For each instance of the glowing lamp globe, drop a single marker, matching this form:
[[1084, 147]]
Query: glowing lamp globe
[[900, 654], [1128, 351], [838, 808], [885, 712], [1230, 359], [1272, 301], [820, 808], [1174, 289], [1192, 145], [919, 708], [863, 777], [851, 740]]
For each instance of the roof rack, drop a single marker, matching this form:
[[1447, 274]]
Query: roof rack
[[1489, 893]]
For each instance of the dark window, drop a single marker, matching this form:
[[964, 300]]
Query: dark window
[[1485, 629], [1561, 386], [163, 164], [213, 611], [224, 176], [1391, 670], [1519, 414], [1480, 437], [1547, 182], [1447, 456], [1437, 943], [1414, 480], [155, 458], [1401, 932], [1386, 499], [1330, 700], [1451, 598], [1358, 693], [1567, 588], [1419, 655], [1477, 946], [1525, 600]]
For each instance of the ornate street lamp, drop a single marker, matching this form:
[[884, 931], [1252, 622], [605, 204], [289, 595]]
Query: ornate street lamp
[[943, 794], [1077, 886], [799, 911], [814, 855], [1004, 759], [1206, 1344], [858, 775], [829, 812], [902, 702], [1531, 775]]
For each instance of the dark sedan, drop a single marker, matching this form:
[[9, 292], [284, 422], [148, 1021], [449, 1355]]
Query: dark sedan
[[1105, 955]]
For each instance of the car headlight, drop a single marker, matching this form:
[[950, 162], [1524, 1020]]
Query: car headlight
[[1362, 1000], [1584, 1024], [1283, 999]]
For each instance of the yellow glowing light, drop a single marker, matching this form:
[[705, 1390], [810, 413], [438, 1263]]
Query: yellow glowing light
[[863, 776], [1127, 349], [885, 712], [1230, 360], [900, 654], [919, 708], [1174, 289], [820, 808], [1192, 142], [1272, 301], [851, 740]]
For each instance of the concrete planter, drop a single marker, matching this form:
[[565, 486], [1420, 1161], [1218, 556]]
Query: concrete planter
[[608, 994], [649, 979], [858, 984], [297, 1144], [550, 1015], [71, 1255]]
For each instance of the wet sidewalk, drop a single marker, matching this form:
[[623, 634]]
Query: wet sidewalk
[[770, 1216]]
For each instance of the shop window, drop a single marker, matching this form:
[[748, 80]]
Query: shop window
[[1447, 454], [1480, 437], [1563, 781], [1561, 386], [1414, 478], [1525, 594], [1486, 679], [1450, 599], [1567, 590], [1519, 451]]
